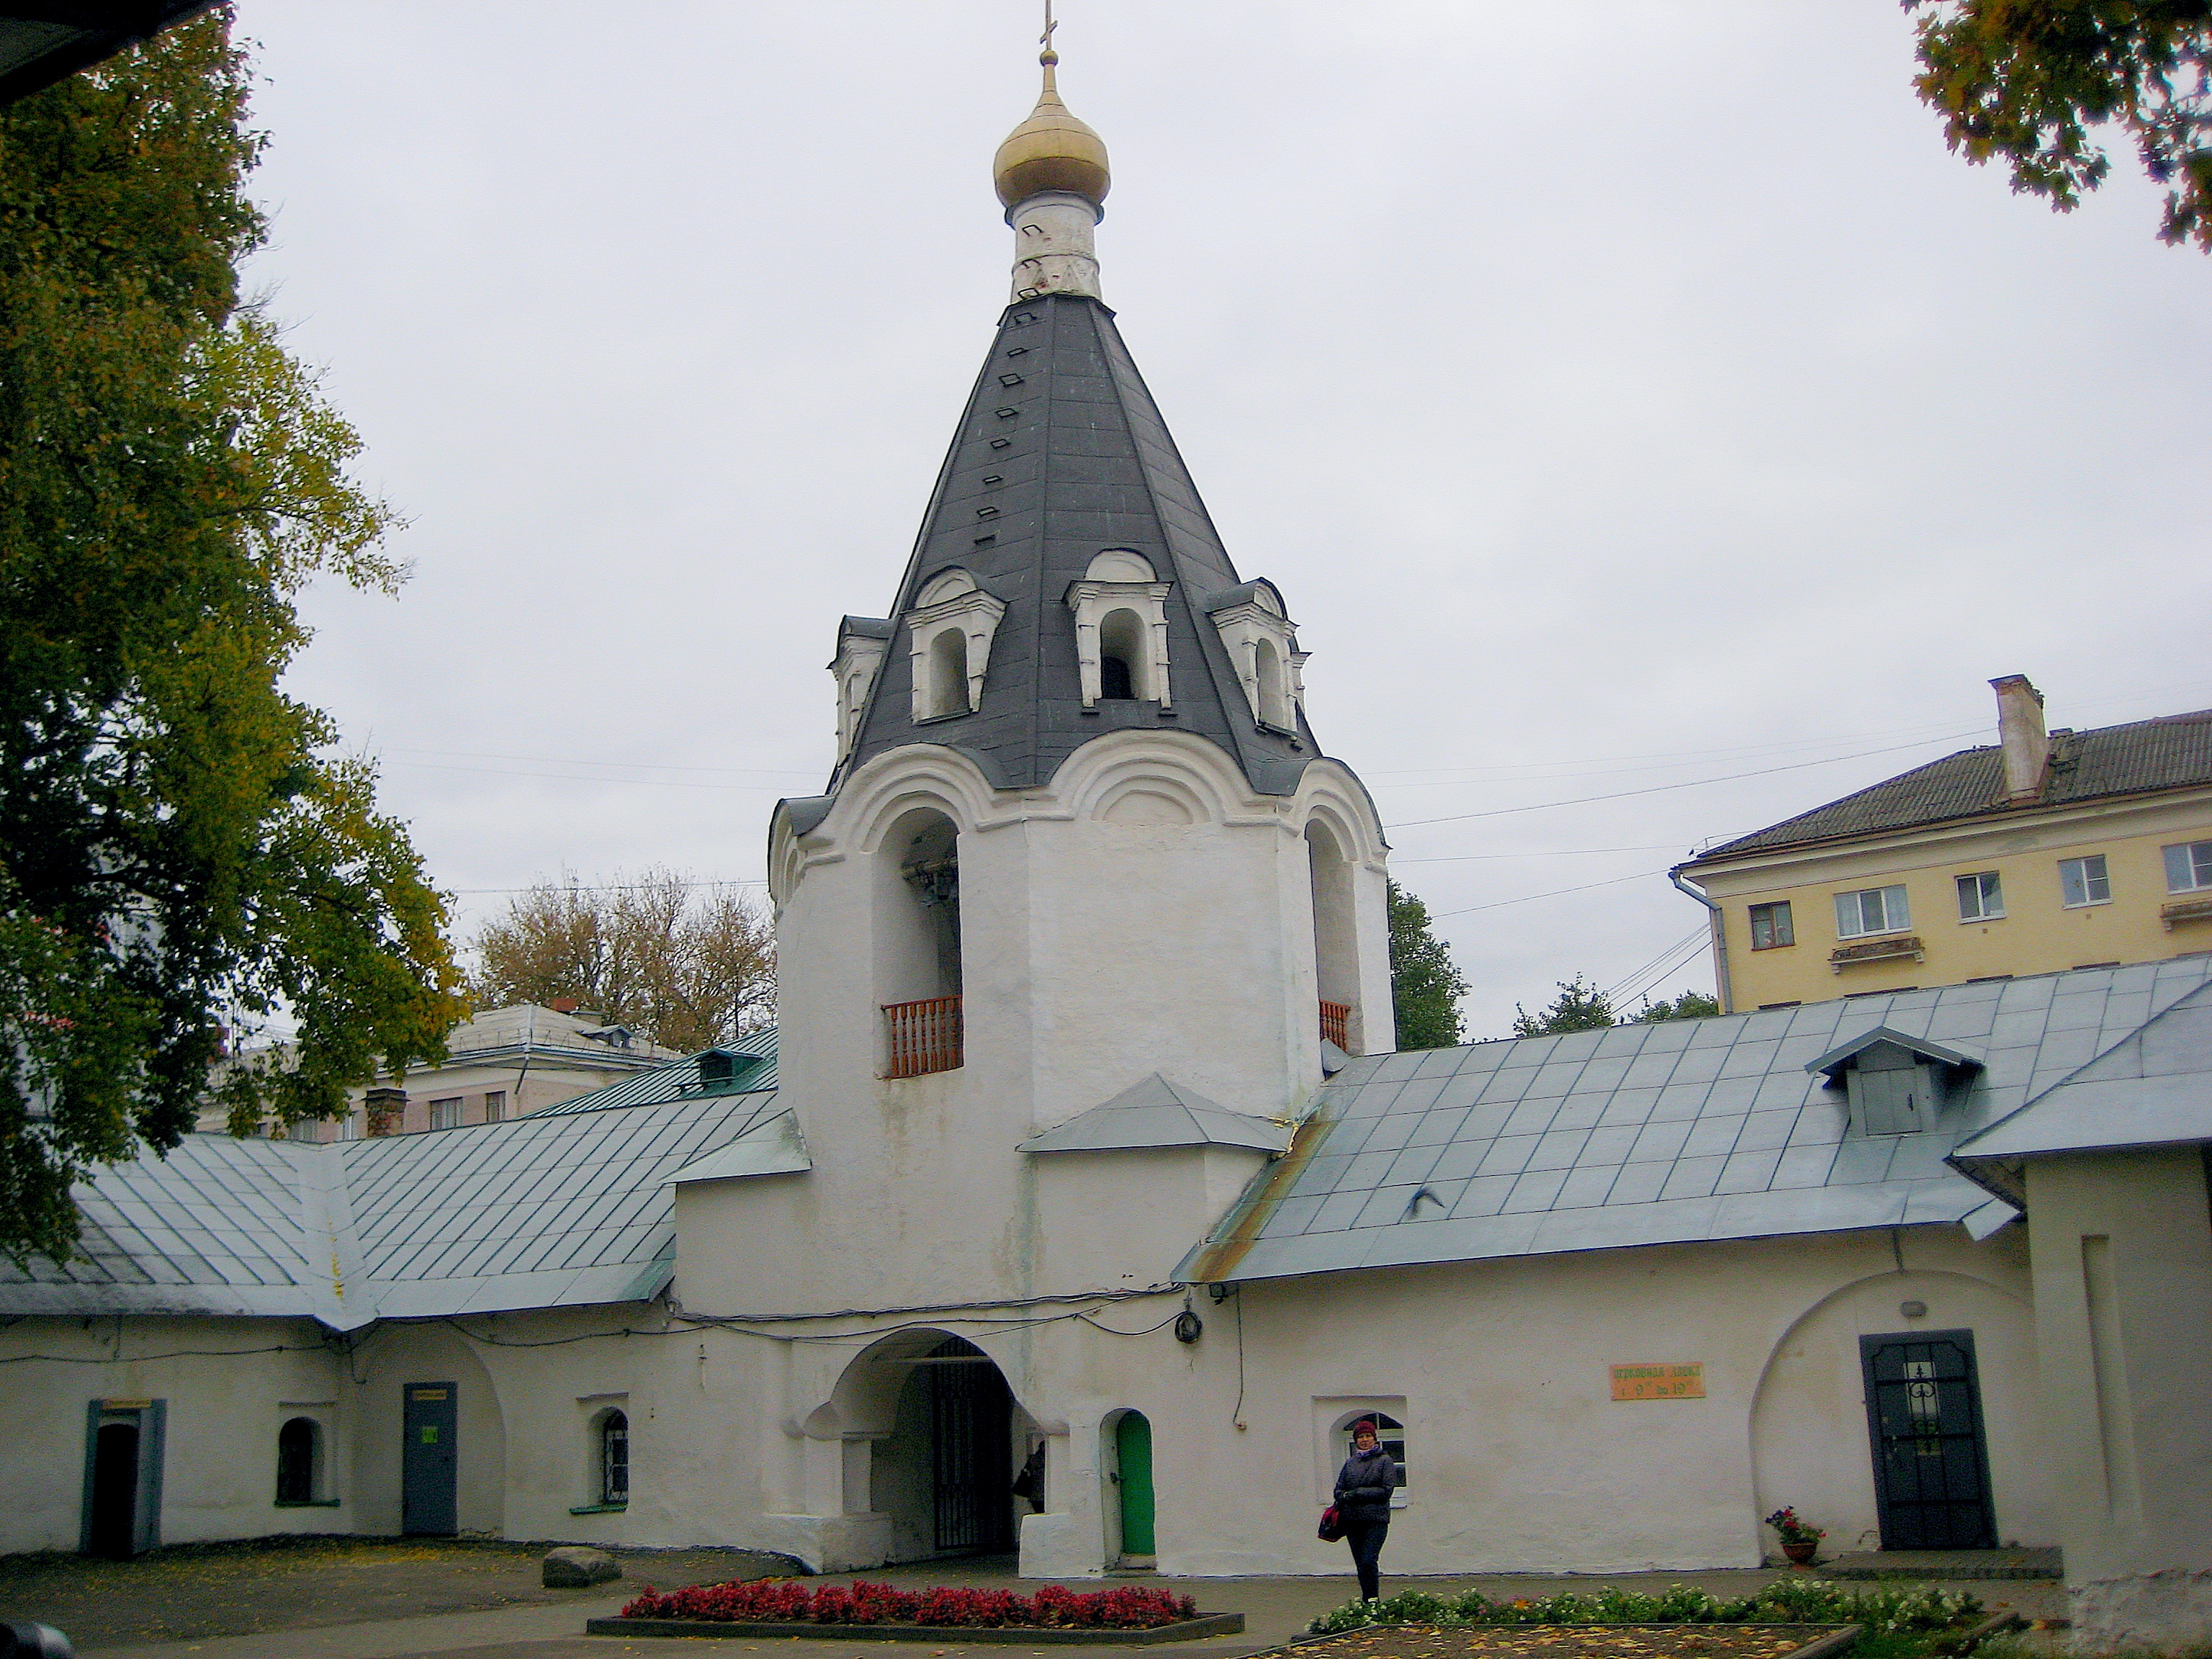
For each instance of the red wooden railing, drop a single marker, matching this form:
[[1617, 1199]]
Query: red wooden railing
[[1336, 1024], [925, 1037]]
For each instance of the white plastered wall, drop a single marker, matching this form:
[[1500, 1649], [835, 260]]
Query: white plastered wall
[[2124, 1287]]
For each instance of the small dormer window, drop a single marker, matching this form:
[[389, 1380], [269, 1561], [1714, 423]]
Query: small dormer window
[[1896, 1085], [1122, 629], [1262, 643], [952, 625], [861, 642]]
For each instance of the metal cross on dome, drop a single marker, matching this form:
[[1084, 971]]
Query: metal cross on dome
[[1045, 39]]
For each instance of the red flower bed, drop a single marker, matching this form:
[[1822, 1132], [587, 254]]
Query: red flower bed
[[786, 1601]]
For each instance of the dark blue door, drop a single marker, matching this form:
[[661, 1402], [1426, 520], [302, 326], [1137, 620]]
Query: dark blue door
[[427, 1459]]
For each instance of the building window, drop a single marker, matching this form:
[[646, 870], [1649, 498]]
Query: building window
[[2189, 868], [495, 1105], [1871, 910], [2084, 881], [1981, 897], [1120, 630], [299, 1460], [1770, 926], [614, 1458], [446, 1114]]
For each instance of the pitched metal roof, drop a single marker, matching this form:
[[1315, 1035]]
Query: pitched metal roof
[[1662, 1134], [2153, 1088], [1060, 454], [536, 1212], [2172, 752], [679, 1079], [1157, 1113]]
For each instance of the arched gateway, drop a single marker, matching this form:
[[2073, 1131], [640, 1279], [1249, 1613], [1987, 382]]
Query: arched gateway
[[945, 1441]]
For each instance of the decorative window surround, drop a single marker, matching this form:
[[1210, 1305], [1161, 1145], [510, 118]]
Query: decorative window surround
[[1247, 617], [951, 602], [861, 642], [1119, 580]]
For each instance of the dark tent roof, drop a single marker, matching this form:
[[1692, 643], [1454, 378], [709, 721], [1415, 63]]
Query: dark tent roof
[[1061, 455]]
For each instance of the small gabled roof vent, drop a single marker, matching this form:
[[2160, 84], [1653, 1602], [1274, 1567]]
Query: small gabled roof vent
[[718, 1066], [1839, 1059], [1896, 1085]]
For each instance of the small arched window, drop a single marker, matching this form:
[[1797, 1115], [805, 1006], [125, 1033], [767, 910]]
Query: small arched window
[[1267, 669], [1121, 662], [614, 1458], [299, 1460], [948, 673]]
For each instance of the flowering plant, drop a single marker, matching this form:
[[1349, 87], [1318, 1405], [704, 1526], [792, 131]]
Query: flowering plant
[[785, 1601], [1793, 1530]]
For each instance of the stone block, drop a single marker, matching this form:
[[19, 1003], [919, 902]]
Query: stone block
[[574, 1567]]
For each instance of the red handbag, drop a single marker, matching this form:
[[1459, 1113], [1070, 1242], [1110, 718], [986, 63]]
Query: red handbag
[[1332, 1526]]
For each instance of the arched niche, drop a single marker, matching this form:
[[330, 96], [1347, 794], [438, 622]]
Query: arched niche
[[1810, 1446]]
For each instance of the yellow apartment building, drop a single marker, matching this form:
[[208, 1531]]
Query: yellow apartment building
[[2046, 851]]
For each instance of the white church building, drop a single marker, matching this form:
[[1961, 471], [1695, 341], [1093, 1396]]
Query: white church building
[[1091, 1202]]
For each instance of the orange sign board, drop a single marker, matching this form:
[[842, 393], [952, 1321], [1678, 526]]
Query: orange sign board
[[1686, 1382]]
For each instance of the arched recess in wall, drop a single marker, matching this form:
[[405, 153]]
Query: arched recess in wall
[[918, 973], [1810, 1446], [934, 1439], [1335, 933], [430, 1354]]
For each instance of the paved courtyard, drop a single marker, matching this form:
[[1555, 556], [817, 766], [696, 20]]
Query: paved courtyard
[[372, 1599]]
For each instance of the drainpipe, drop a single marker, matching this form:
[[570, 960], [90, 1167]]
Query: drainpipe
[[1720, 938]]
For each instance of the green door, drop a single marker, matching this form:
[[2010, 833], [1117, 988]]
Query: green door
[[1133, 1449]]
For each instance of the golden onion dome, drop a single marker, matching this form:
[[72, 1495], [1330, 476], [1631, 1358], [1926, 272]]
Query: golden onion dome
[[1051, 150]]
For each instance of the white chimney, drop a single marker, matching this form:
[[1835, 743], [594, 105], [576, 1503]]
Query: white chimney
[[2020, 729]]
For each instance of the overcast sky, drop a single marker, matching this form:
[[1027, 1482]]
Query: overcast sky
[[1632, 401]]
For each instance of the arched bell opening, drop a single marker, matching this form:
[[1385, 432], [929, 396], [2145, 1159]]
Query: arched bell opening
[[1336, 938], [917, 937]]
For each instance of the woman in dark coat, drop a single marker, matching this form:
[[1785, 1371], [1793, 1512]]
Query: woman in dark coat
[[1363, 1486]]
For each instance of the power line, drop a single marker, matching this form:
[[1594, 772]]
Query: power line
[[1546, 853], [1641, 875], [1688, 783]]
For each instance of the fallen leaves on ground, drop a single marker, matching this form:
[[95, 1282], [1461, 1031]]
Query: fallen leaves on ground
[[1570, 1642]]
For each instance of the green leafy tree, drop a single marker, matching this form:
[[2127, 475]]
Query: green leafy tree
[[687, 966], [1579, 1007], [180, 860], [2027, 81], [1690, 1005], [1425, 986]]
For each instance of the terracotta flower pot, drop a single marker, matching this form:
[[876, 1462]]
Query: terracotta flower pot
[[1800, 1550]]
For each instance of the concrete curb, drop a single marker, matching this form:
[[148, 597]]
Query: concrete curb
[[1184, 1630]]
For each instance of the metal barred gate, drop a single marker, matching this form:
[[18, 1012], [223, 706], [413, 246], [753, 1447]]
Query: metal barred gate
[[971, 1423], [1931, 1470]]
